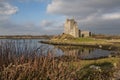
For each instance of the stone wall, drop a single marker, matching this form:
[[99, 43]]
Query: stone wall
[[85, 34], [71, 28]]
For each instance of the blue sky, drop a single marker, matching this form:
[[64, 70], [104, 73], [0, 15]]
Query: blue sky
[[30, 17], [38, 17], [31, 11]]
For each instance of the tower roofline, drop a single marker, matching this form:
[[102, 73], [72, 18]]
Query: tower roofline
[[71, 20]]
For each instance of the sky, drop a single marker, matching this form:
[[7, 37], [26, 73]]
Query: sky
[[47, 17]]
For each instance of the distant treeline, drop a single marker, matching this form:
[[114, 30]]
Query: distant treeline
[[102, 36], [25, 36]]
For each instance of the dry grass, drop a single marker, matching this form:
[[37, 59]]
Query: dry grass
[[43, 68], [23, 62], [26, 63]]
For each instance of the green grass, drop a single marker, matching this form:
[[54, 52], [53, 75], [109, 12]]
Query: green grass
[[105, 72], [65, 38], [81, 40], [84, 63], [85, 39]]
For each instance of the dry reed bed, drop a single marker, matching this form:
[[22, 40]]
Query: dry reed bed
[[22, 62], [25, 62]]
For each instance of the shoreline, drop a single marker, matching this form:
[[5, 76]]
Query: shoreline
[[95, 45], [25, 37]]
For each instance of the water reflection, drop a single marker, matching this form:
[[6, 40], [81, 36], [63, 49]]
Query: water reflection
[[84, 52], [22, 46]]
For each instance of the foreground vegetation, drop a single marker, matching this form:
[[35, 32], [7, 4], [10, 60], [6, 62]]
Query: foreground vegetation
[[22, 62]]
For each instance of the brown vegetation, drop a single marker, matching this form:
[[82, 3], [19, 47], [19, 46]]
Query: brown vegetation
[[26, 63], [26, 36]]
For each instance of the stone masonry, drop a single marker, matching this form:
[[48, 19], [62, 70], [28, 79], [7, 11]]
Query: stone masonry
[[71, 27]]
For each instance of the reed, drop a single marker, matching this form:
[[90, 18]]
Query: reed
[[22, 62], [27, 62]]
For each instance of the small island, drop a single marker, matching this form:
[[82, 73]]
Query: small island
[[72, 36]]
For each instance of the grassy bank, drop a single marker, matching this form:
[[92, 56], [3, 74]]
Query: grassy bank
[[68, 40], [100, 45], [112, 60]]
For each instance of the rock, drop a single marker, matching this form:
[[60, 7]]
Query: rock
[[110, 47], [115, 65], [95, 67], [110, 56], [100, 46]]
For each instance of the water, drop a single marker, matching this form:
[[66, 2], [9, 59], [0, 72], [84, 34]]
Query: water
[[84, 52], [80, 52]]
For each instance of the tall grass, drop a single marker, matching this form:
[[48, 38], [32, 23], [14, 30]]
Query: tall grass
[[23, 61]]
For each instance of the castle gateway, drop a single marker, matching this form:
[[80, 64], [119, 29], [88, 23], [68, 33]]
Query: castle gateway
[[71, 27]]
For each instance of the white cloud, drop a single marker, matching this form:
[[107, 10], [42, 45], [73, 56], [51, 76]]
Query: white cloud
[[111, 16], [82, 8], [3, 18], [46, 23], [96, 15], [7, 9], [31, 0], [29, 28]]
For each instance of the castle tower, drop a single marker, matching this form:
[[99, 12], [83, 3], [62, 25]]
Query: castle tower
[[71, 27]]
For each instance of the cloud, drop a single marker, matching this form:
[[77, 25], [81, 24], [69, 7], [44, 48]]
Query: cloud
[[7, 9], [9, 27], [28, 28], [46, 23], [111, 16], [38, 0], [3, 18], [100, 16], [82, 7], [28, 0], [52, 27]]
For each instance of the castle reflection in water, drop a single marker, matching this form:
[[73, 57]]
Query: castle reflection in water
[[83, 52], [75, 51]]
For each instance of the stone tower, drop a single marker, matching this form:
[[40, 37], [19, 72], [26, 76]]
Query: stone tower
[[71, 27]]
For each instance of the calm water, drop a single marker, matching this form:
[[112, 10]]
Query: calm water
[[80, 52]]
